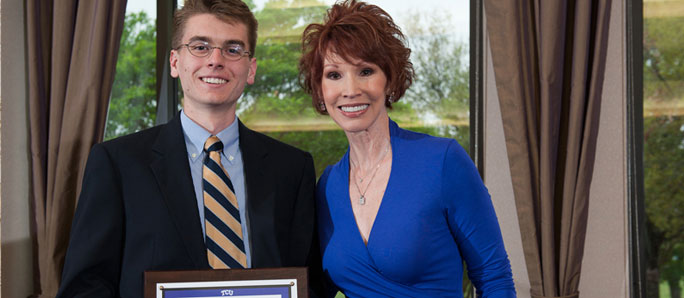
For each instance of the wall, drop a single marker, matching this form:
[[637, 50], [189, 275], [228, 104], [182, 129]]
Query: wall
[[16, 260], [605, 263]]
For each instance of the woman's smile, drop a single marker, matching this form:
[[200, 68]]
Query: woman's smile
[[353, 92]]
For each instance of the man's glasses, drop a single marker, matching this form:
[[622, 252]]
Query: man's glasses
[[202, 49]]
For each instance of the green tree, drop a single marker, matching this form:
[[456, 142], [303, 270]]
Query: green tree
[[441, 84], [663, 176], [663, 58], [664, 151], [133, 102], [672, 270], [276, 95]]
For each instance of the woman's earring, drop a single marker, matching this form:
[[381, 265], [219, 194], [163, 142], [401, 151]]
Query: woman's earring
[[321, 105], [390, 98]]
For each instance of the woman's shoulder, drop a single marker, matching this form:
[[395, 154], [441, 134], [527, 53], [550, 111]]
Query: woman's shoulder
[[422, 141], [333, 171], [443, 154]]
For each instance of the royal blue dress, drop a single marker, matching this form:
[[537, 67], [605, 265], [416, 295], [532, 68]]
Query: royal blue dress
[[435, 213]]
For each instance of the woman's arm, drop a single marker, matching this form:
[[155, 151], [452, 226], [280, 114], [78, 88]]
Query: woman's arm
[[474, 225]]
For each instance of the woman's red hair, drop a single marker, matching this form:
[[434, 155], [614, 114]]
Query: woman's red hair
[[356, 30]]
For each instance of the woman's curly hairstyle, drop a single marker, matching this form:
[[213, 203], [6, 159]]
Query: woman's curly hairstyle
[[355, 30]]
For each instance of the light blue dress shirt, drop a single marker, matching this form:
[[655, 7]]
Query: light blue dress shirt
[[231, 159]]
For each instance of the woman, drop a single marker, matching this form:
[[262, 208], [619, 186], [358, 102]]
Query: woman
[[401, 210]]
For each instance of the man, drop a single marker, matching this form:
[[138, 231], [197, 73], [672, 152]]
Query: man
[[144, 202]]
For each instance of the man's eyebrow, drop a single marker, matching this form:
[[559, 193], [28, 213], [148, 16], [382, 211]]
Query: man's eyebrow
[[198, 38], [225, 43], [234, 42]]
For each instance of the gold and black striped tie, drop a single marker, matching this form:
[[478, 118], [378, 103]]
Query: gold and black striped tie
[[225, 247]]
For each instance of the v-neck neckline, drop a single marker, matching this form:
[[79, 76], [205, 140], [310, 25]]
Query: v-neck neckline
[[348, 204]]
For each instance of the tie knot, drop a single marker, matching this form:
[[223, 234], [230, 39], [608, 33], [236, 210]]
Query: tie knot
[[213, 143]]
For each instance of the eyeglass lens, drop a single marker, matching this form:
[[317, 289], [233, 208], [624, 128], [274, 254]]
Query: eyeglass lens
[[203, 49]]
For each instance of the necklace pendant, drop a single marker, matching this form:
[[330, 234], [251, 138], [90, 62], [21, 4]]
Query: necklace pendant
[[362, 200]]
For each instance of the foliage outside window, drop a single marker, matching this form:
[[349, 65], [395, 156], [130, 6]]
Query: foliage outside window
[[664, 146], [133, 104]]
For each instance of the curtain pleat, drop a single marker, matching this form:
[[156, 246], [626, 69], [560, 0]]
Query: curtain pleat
[[73, 47], [510, 31], [549, 62]]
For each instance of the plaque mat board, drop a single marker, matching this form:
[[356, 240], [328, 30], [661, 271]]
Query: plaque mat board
[[288, 282]]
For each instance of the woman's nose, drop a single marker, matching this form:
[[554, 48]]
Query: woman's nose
[[351, 88]]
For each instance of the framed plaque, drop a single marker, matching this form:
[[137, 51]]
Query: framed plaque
[[240, 283]]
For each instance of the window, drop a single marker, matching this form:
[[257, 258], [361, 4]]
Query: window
[[663, 147], [133, 102], [437, 103]]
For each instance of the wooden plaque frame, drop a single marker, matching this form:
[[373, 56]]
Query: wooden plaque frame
[[153, 278]]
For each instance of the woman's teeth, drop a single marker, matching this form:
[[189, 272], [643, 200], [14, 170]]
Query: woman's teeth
[[351, 109]]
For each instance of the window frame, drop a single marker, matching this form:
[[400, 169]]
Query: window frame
[[477, 85], [635, 143], [167, 87]]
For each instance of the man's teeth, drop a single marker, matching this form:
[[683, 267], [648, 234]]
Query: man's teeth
[[214, 80], [352, 109]]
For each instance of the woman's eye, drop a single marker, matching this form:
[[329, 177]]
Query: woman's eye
[[366, 72], [333, 75]]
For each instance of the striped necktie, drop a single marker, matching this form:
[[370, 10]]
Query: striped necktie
[[225, 248]]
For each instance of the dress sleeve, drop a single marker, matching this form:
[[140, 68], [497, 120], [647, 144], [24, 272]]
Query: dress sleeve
[[474, 225], [324, 228]]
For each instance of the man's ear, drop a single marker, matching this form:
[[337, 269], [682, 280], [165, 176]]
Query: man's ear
[[173, 63], [252, 71]]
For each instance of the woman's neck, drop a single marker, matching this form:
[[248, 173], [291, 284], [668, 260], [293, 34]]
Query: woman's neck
[[368, 148]]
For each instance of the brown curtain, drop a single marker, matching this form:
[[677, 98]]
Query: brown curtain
[[549, 59], [73, 46]]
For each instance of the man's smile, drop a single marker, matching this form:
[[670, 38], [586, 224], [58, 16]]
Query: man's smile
[[214, 80]]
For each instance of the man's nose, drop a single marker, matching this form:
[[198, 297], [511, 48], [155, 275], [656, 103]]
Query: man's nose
[[216, 58]]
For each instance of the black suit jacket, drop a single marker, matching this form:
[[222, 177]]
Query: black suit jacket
[[137, 211]]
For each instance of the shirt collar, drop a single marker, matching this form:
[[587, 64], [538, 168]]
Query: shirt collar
[[196, 135]]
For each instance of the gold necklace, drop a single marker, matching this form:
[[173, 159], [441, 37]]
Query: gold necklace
[[362, 198]]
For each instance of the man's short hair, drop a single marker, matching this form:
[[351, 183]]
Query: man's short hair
[[229, 11]]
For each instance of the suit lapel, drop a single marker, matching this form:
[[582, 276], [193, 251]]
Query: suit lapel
[[172, 171], [260, 199]]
